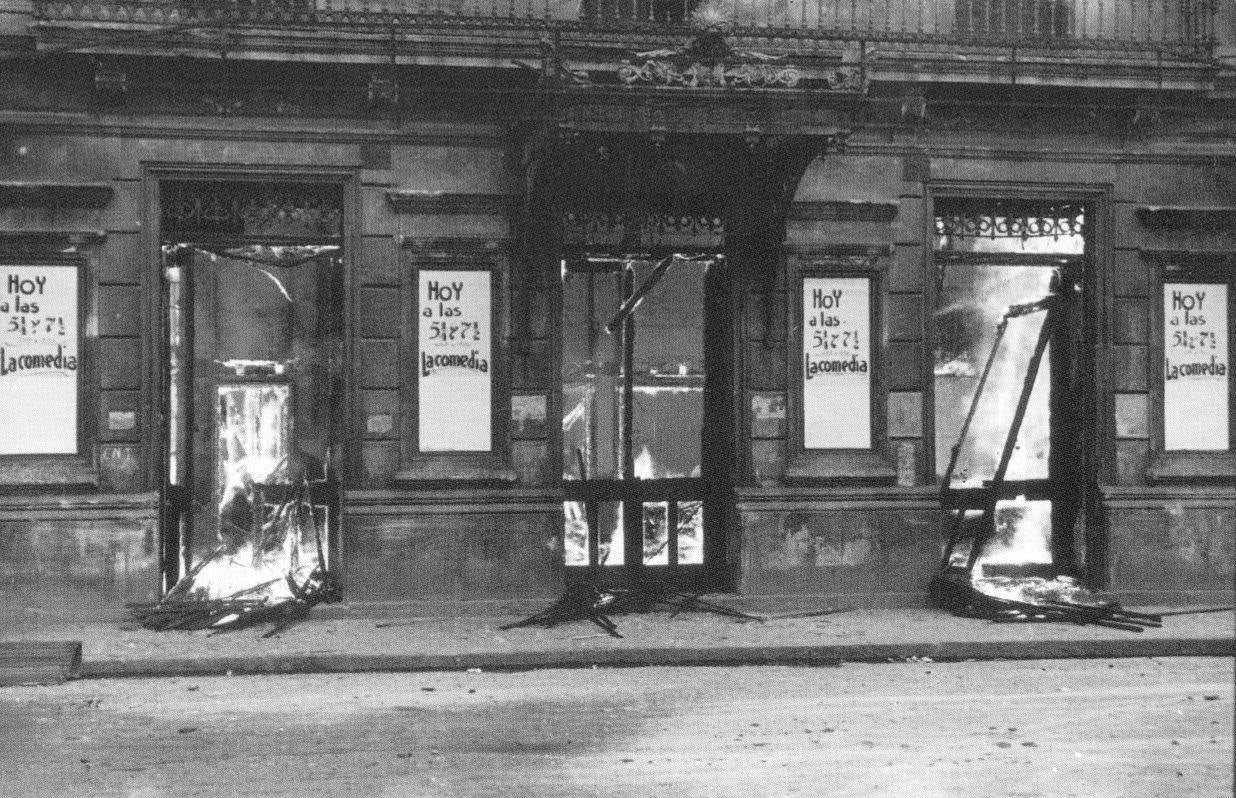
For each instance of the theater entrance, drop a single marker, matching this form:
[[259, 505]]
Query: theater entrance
[[647, 408], [252, 279], [1013, 390]]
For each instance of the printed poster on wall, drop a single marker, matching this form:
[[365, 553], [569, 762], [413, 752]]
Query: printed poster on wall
[[454, 374], [1195, 366], [38, 359], [836, 363]]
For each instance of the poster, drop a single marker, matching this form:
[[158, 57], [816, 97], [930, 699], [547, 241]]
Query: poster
[[1195, 367], [836, 363], [38, 359], [454, 370]]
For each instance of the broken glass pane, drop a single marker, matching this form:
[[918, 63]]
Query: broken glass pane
[[591, 386], [972, 301], [656, 533], [668, 371], [691, 533], [609, 525]]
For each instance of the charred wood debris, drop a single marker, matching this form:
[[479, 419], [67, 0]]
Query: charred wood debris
[[587, 602], [277, 529], [238, 612]]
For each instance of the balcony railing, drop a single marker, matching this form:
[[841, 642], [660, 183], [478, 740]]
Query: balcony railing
[[1168, 25]]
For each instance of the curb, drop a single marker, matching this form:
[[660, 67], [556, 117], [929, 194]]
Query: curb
[[817, 656]]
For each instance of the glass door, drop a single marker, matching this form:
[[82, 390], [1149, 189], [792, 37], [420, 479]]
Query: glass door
[[645, 430], [253, 342]]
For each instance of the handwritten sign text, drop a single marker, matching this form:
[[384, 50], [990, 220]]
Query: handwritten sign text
[[836, 363]]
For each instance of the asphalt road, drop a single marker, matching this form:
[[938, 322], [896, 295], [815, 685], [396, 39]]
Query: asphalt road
[[1086, 728]]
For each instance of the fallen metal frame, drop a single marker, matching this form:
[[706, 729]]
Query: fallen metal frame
[[955, 587], [585, 601]]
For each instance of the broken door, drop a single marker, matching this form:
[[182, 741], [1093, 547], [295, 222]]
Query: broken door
[[1009, 331], [645, 393], [252, 383]]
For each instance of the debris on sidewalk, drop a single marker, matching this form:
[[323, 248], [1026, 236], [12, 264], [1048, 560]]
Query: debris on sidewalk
[[1026, 599], [587, 602], [270, 565], [235, 612]]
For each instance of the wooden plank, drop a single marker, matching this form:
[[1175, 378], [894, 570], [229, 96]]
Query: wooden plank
[[39, 661]]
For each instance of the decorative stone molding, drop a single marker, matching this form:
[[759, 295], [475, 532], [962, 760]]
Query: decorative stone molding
[[453, 247], [1215, 218], [844, 257], [843, 211], [42, 194], [443, 202], [1178, 260], [21, 243]]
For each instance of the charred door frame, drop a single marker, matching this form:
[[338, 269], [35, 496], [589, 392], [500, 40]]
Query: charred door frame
[[156, 347], [1095, 406], [749, 180], [714, 488]]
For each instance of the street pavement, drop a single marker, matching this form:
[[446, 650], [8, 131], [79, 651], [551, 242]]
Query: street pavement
[[1091, 728]]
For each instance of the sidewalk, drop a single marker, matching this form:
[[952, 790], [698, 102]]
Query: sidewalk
[[343, 642]]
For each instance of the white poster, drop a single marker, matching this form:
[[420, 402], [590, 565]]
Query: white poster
[[836, 363], [1195, 367], [38, 359], [454, 372]]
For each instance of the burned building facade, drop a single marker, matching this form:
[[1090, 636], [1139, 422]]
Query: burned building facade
[[481, 298]]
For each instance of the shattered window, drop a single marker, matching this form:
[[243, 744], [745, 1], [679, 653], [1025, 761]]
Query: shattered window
[[972, 297], [591, 379], [668, 373], [972, 301]]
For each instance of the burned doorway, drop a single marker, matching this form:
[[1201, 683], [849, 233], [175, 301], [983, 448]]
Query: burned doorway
[[252, 284], [654, 240], [647, 389], [1013, 384]]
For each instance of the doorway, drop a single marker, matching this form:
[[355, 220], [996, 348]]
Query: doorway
[[647, 432], [1009, 324], [252, 287]]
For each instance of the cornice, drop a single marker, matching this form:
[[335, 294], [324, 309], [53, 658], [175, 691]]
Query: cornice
[[15, 193], [252, 130], [1224, 155], [1180, 260], [46, 240], [1187, 217]]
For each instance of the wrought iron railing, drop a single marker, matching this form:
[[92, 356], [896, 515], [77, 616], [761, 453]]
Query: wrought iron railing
[[1137, 24]]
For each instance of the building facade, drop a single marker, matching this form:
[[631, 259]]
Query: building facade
[[515, 294]]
